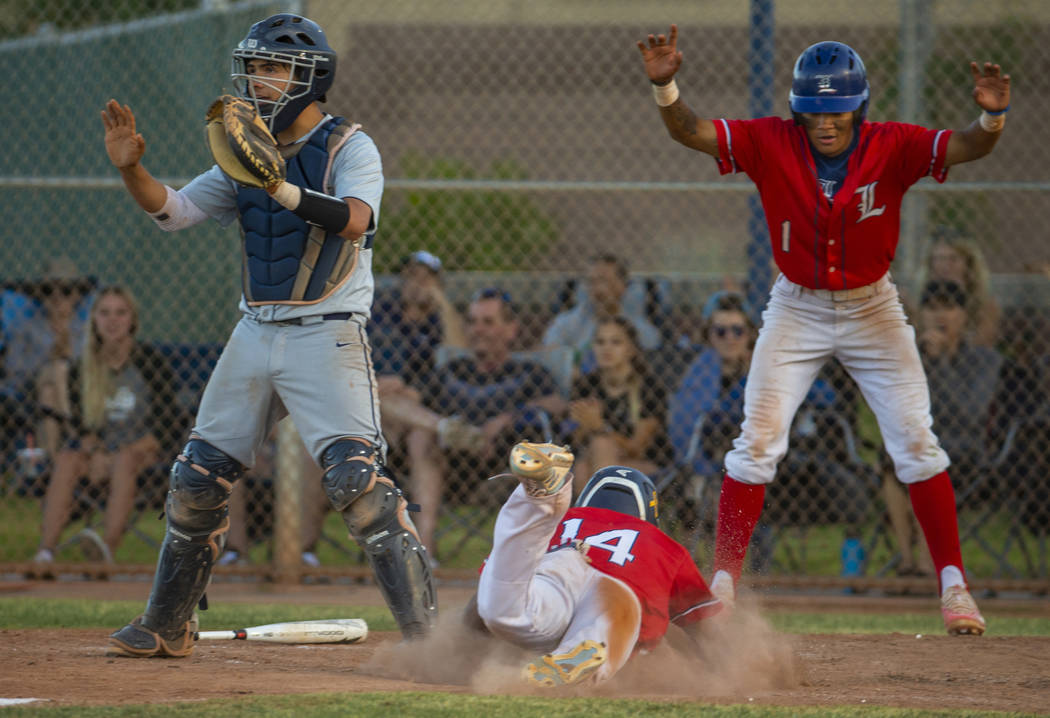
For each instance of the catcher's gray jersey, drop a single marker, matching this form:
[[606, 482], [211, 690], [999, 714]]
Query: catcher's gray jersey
[[357, 172], [285, 359]]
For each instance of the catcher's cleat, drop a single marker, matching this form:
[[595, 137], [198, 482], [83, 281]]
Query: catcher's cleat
[[562, 669], [542, 468], [961, 616], [137, 641]]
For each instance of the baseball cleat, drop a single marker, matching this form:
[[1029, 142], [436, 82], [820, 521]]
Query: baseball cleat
[[542, 468], [562, 669], [961, 616], [137, 641]]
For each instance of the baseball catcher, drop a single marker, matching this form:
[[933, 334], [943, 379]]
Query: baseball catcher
[[305, 188], [586, 585]]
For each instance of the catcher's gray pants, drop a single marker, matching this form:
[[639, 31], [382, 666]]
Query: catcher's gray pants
[[319, 372]]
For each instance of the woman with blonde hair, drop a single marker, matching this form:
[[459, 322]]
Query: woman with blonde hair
[[619, 409], [951, 257], [121, 418]]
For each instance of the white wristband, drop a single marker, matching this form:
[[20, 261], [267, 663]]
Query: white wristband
[[666, 94], [992, 123], [287, 195]]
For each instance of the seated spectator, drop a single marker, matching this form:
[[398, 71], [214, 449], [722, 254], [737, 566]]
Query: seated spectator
[[607, 278], [954, 258], [618, 409], [712, 387], [46, 336], [474, 408], [122, 421], [410, 322], [966, 382]]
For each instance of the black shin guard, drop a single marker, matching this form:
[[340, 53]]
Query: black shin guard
[[197, 514], [380, 525], [374, 511], [183, 571]]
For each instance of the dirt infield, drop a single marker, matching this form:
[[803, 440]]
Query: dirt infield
[[70, 667]]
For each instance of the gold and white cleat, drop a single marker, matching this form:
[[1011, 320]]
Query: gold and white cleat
[[563, 669], [542, 468]]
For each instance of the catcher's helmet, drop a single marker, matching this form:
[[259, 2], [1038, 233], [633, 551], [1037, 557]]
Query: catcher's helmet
[[291, 40], [829, 78], [620, 488]]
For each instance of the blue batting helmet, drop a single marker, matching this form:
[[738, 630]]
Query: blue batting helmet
[[829, 78], [290, 40], [623, 489]]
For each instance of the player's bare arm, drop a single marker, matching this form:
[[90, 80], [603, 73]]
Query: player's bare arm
[[662, 59], [991, 92], [125, 147]]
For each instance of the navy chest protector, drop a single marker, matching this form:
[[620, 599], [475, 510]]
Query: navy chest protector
[[285, 259]]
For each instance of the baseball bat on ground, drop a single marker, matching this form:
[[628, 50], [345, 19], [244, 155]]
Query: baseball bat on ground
[[332, 630]]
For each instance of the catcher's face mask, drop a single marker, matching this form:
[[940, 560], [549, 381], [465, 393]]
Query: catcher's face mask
[[280, 94]]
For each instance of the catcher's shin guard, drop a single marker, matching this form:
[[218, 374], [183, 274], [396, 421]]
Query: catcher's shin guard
[[197, 517], [374, 511]]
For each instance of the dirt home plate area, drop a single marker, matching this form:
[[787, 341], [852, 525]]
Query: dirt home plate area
[[758, 666]]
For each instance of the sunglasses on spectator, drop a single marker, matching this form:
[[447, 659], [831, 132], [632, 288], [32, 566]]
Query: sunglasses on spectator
[[721, 331], [492, 293]]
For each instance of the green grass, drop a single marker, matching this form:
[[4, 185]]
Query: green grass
[[454, 705], [73, 613]]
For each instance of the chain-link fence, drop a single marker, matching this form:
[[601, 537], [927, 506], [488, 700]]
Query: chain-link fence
[[519, 143]]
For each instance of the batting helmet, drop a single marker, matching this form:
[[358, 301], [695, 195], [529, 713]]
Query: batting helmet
[[290, 40], [623, 489], [829, 78]]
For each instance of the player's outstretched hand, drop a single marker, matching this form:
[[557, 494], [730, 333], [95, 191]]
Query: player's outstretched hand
[[661, 56], [991, 88], [124, 145]]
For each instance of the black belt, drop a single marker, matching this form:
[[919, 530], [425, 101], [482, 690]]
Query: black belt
[[336, 317]]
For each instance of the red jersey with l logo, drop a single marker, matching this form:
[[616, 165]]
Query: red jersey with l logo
[[816, 242]]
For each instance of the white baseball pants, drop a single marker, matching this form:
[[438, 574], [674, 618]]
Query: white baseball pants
[[872, 339], [551, 602]]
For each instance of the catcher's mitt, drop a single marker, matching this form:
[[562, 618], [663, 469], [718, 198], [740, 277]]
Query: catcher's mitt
[[242, 145]]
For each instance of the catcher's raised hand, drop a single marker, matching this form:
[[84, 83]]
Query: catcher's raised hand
[[991, 88], [124, 145], [661, 56]]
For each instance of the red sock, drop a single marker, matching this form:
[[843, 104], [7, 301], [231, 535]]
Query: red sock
[[933, 501], [739, 507]]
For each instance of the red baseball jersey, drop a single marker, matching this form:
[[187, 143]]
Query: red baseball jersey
[[658, 568], [818, 243]]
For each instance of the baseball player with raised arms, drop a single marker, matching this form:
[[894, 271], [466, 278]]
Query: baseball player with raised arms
[[300, 347], [590, 584], [831, 185]]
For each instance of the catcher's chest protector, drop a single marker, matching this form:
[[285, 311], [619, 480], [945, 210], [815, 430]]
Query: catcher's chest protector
[[276, 241]]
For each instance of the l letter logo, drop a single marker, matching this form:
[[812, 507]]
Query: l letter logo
[[867, 202]]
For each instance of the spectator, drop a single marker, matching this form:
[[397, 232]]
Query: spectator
[[45, 338], [409, 323], [607, 278], [954, 258], [121, 420], [965, 384], [619, 410], [713, 386], [475, 406]]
